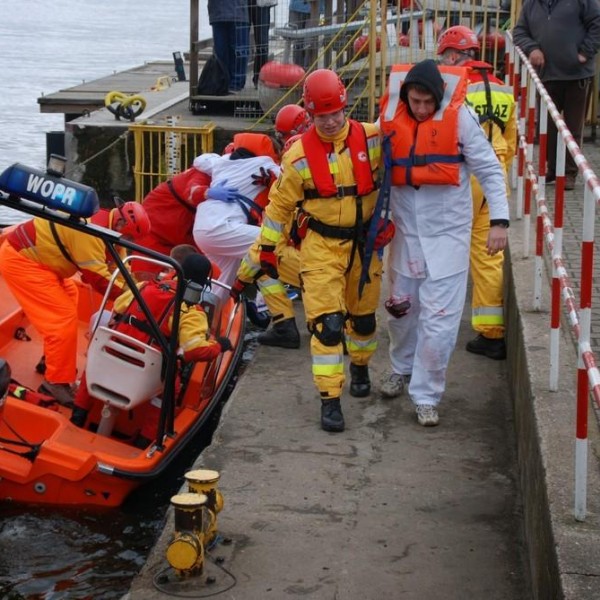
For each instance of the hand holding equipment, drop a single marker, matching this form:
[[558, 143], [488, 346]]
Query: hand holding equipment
[[268, 261], [237, 288], [385, 233]]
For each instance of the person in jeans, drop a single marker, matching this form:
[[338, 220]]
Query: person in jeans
[[561, 39], [231, 29], [260, 19], [299, 18]]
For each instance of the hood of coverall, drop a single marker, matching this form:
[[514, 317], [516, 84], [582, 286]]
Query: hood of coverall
[[427, 74]]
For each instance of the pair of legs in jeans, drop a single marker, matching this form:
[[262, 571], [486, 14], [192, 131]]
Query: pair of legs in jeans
[[232, 46], [260, 19]]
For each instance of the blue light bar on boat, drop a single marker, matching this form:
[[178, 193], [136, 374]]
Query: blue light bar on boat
[[54, 192]]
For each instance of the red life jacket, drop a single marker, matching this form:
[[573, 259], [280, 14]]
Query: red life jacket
[[426, 152], [316, 151], [159, 297]]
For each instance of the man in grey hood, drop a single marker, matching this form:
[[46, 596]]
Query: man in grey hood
[[426, 77], [561, 39], [435, 144]]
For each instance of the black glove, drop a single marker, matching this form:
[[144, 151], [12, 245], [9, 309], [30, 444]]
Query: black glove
[[226, 345], [265, 178]]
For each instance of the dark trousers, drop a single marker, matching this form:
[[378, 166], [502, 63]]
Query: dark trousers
[[571, 99], [299, 20], [232, 45], [260, 19]]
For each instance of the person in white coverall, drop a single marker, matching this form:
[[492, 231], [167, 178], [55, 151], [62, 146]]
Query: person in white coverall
[[226, 225], [436, 143]]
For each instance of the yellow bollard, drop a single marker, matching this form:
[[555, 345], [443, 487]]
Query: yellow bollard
[[186, 551], [204, 481]]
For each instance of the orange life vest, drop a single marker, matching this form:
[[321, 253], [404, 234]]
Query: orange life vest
[[426, 152]]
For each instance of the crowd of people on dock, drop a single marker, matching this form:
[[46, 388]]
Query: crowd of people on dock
[[314, 209]]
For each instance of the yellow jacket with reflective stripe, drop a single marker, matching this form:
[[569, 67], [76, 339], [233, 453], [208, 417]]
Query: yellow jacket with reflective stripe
[[503, 107], [34, 240], [295, 177]]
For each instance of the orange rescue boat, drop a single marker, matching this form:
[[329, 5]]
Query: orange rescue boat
[[44, 458]]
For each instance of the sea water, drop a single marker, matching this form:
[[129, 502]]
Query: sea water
[[49, 46], [44, 47]]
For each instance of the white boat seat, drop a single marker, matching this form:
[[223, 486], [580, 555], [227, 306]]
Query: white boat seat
[[121, 370]]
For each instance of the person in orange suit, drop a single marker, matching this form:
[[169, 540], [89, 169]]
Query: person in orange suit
[[171, 208], [37, 261]]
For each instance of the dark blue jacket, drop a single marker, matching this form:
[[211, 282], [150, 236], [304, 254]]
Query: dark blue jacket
[[561, 31], [227, 11]]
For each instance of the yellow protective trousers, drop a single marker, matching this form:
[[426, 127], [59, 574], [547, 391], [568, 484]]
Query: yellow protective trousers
[[327, 288], [50, 304], [273, 290], [487, 311]]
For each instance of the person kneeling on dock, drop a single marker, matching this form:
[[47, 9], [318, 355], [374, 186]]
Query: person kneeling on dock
[[194, 340]]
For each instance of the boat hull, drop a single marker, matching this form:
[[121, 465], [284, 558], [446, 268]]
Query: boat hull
[[45, 459]]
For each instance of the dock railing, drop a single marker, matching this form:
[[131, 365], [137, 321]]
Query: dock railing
[[535, 105], [356, 38], [161, 151]]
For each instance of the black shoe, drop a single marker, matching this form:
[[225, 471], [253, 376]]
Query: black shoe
[[360, 384], [284, 334], [79, 416], [550, 178], [491, 348], [332, 418]]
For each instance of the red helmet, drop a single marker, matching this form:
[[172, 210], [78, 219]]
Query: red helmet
[[324, 92], [290, 120], [290, 141], [458, 37], [137, 222]]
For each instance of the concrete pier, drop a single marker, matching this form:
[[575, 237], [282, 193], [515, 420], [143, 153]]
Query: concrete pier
[[479, 507]]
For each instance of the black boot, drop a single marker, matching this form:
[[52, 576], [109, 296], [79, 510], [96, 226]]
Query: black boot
[[360, 384], [332, 418], [492, 348], [283, 334], [79, 416]]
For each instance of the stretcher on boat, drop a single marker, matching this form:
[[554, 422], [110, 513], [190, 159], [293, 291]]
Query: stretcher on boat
[[44, 458]]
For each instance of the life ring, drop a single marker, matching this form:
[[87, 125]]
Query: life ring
[[122, 105]]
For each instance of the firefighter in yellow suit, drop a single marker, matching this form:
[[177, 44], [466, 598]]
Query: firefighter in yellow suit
[[332, 173], [494, 104]]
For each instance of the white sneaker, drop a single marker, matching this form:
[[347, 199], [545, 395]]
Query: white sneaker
[[394, 385], [427, 415]]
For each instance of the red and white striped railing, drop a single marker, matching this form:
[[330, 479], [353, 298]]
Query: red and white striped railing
[[530, 92]]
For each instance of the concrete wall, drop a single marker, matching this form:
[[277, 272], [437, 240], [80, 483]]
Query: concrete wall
[[563, 553]]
